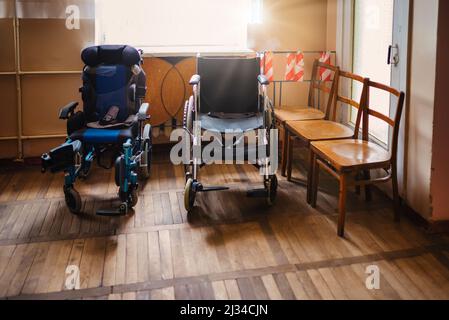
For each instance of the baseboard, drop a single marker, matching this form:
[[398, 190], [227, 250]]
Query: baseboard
[[431, 226], [438, 227]]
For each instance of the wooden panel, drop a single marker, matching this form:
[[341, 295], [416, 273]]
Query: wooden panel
[[36, 147], [8, 149], [8, 106], [7, 61], [168, 88], [156, 70], [42, 97], [46, 44]]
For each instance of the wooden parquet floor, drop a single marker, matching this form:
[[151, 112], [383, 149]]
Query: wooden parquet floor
[[232, 247]]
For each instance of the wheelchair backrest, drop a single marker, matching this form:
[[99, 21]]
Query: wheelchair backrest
[[229, 85], [112, 77]]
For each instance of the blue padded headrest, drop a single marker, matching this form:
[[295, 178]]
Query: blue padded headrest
[[110, 54]]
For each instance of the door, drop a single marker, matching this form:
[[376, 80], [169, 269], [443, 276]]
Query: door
[[380, 52]]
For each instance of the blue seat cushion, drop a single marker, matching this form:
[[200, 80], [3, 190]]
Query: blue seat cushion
[[104, 136]]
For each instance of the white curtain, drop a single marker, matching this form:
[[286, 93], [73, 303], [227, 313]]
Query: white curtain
[[172, 24]]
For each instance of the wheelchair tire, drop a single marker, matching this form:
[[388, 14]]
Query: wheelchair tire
[[188, 116], [271, 184], [189, 195], [144, 172], [146, 147], [72, 200], [118, 171], [130, 198]]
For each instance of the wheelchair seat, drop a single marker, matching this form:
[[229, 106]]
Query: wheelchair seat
[[104, 136], [243, 123]]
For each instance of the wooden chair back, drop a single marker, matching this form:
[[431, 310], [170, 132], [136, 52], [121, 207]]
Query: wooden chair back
[[342, 99], [366, 111], [319, 87]]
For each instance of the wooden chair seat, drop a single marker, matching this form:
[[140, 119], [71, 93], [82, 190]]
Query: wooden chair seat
[[284, 114], [317, 130], [350, 154]]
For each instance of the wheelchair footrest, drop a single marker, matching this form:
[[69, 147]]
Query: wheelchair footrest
[[213, 189], [121, 211], [257, 193]]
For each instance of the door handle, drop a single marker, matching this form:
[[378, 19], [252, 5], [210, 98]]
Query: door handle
[[393, 55]]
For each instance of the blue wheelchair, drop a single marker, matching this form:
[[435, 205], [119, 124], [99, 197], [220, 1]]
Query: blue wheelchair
[[111, 128]]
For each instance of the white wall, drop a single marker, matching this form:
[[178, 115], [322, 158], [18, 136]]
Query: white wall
[[422, 93]]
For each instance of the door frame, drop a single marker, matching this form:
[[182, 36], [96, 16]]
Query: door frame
[[403, 17]]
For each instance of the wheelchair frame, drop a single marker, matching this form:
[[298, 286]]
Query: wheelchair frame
[[191, 115], [75, 158]]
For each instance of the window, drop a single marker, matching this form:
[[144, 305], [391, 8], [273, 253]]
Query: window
[[373, 33], [175, 25]]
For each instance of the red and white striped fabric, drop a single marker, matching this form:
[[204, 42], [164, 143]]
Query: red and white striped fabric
[[295, 67], [266, 65], [325, 74]]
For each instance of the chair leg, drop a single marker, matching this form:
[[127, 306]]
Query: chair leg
[[357, 187], [396, 198], [284, 152], [315, 181], [310, 177], [368, 191], [290, 158], [342, 205]]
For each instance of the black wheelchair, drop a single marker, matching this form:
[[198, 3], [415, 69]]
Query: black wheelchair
[[230, 96], [111, 128]]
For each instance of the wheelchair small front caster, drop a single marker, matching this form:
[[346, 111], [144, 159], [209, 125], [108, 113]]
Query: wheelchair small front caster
[[72, 199], [130, 198], [271, 185], [189, 195], [123, 209]]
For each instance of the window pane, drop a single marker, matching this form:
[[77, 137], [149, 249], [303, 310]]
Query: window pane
[[373, 33], [174, 23]]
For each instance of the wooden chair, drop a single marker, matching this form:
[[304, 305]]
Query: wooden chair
[[312, 110], [319, 130], [344, 158]]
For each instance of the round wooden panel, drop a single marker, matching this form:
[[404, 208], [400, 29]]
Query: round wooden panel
[[156, 70], [187, 68], [173, 91]]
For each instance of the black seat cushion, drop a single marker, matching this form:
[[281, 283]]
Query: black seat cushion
[[244, 124]]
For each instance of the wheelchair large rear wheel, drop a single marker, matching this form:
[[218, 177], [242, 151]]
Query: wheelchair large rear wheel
[[189, 195], [72, 200]]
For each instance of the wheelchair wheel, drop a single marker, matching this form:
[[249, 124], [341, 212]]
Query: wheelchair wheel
[[72, 200], [271, 185], [144, 172], [131, 197], [188, 170], [188, 116], [189, 195]]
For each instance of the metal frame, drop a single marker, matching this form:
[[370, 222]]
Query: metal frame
[[18, 73], [275, 82]]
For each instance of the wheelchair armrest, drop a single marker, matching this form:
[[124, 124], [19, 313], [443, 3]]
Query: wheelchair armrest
[[263, 80], [143, 112], [195, 80], [67, 111]]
